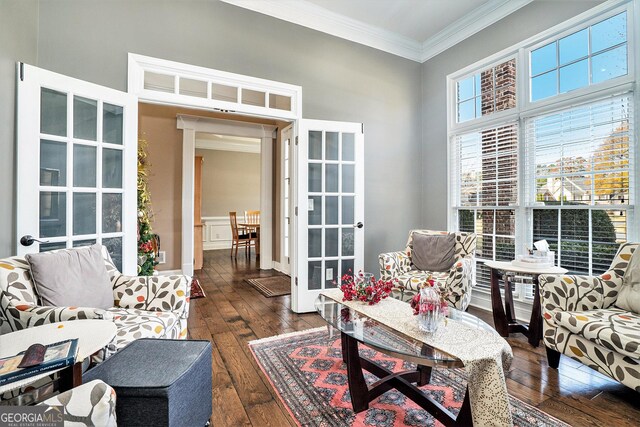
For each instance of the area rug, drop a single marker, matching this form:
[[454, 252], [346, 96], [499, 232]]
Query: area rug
[[196, 289], [306, 370], [273, 286]]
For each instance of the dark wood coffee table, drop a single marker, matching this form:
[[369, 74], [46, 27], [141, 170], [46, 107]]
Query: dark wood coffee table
[[356, 328]]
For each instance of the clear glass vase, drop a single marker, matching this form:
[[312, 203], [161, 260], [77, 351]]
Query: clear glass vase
[[429, 315]]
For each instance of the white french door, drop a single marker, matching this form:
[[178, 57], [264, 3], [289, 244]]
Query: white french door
[[286, 199], [329, 159], [76, 166]]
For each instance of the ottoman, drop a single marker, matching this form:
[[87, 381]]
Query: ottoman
[[159, 382]]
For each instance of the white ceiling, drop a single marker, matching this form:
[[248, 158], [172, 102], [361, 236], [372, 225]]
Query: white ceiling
[[414, 29]]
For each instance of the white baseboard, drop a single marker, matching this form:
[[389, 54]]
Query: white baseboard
[[218, 244]]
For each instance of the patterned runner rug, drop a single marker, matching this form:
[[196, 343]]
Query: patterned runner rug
[[273, 286], [306, 370]]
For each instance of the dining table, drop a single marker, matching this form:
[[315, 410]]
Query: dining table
[[253, 227]]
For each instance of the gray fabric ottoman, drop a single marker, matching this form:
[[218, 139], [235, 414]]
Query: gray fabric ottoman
[[159, 382]]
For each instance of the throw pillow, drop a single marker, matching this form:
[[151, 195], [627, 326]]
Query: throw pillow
[[72, 278], [629, 296], [433, 252]]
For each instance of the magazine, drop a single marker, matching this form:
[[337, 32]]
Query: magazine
[[56, 356]]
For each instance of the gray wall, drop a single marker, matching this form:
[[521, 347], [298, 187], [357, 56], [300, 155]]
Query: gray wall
[[340, 80], [526, 22], [18, 42]]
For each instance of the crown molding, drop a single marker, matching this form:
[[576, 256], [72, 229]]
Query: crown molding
[[470, 24], [318, 18], [309, 15]]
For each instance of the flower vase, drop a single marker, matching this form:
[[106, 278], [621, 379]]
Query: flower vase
[[429, 314]]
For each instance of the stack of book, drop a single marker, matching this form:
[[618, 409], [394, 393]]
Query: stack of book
[[38, 360]]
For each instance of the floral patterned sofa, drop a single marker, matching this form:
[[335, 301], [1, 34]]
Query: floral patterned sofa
[[580, 320], [458, 280], [144, 307]]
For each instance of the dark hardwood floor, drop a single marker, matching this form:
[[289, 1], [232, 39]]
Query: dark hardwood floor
[[234, 313]]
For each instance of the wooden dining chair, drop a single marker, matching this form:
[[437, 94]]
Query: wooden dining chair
[[240, 235], [252, 217]]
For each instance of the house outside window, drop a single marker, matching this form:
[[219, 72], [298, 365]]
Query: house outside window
[[531, 160]]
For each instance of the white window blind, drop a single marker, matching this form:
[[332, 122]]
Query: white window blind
[[579, 178]]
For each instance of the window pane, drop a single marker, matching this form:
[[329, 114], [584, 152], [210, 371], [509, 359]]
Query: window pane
[[159, 82], [315, 177], [332, 145], [111, 213], [315, 210], [279, 102], [331, 273], [543, 59], [331, 178], [348, 147], [191, 87], [574, 46], [53, 163], [224, 93], [466, 110], [84, 213], [609, 64], [544, 86], [114, 247], [347, 241], [348, 210], [315, 274], [111, 168], [84, 166], [253, 97], [53, 214], [331, 242], [315, 145], [85, 118], [465, 89], [331, 208], [574, 76], [466, 221], [315, 243], [112, 123], [348, 178], [608, 33], [53, 112]]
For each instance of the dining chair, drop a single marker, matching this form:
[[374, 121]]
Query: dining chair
[[252, 217], [240, 235]]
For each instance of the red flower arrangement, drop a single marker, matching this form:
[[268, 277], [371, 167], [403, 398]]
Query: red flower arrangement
[[430, 304], [365, 288]]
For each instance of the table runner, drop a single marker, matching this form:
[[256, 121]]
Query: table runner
[[485, 355]]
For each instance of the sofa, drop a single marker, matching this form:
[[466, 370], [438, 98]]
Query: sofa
[[581, 321], [458, 280], [143, 307]]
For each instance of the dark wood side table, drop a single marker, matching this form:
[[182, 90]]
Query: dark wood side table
[[504, 317]]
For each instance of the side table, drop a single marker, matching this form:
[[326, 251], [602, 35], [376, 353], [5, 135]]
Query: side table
[[504, 317], [92, 336]]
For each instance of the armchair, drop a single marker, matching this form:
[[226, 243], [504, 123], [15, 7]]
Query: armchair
[[580, 320], [89, 404], [144, 307], [458, 280]]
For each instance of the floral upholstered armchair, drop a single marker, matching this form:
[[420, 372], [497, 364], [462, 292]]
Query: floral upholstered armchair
[[458, 281], [143, 307], [581, 320]]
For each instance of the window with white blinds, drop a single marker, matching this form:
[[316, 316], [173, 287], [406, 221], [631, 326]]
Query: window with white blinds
[[580, 183]]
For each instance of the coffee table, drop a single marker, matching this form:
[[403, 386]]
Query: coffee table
[[93, 335], [356, 328]]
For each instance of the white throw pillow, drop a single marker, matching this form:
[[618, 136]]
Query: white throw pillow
[[629, 296]]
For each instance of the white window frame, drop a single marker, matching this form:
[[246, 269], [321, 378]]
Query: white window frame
[[525, 108]]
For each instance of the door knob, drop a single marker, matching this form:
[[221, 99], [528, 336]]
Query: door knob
[[358, 225], [29, 239]]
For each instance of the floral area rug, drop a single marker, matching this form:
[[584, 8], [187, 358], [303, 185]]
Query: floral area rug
[[196, 289], [306, 370]]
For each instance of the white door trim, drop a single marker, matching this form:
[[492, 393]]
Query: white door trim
[[266, 133]]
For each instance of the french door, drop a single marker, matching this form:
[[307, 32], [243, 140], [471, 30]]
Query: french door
[[330, 208], [76, 166]]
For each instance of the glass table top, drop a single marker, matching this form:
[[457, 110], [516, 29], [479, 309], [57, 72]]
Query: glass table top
[[388, 340]]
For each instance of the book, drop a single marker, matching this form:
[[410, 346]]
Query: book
[[57, 355]]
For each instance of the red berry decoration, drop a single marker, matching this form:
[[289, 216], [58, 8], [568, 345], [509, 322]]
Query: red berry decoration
[[365, 288]]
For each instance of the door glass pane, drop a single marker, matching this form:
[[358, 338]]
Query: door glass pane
[[348, 178], [111, 213], [315, 177], [85, 118], [111, 168], [191, 87], [347, 241], [84, 166], [315, 145], [112, 123], [53, 163], [347, 267], [348, 147], [53, 214], [348, 209], [114, 247], [315, 243], [332, 145], [331, 209], [45, 247], [315, 274], [81, 243], [315, 210], [84, 213], [253, 97], [331, 274], [574, 76], [331, 242], [331, 184], [53, 112], [224, 93]]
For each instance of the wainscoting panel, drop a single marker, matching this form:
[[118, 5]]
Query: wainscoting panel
[[217, 232]]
